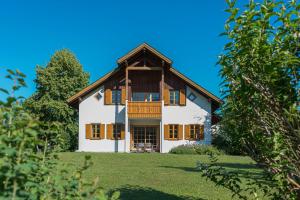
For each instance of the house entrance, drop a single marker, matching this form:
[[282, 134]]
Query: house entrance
[[144, 138]]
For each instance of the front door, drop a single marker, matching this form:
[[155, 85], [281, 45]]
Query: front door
[[145, 138]]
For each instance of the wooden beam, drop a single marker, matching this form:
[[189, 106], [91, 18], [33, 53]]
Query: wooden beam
[[162, 84], [126, 81], [144, 68]]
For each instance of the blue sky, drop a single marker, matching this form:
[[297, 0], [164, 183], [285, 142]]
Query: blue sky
[[99, 32]]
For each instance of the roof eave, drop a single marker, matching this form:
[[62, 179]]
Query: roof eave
[[139, 48]]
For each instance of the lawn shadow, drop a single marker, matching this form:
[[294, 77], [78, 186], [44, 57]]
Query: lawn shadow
[[237, 165], [129, 192], [243, 170]]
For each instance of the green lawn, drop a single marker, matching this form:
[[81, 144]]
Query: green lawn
[[158, 176]]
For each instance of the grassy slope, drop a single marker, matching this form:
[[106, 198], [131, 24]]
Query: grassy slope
[[158, 176]]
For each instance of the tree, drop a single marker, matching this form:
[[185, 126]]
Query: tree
[[61, 78], [260, 71], [26, 173]]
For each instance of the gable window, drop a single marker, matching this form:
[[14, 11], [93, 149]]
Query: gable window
[[116, 96], [96, 131], [117, 131], [174, 97], [192, 96], [173, 131]]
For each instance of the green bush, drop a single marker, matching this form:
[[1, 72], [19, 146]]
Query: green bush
[[28, 169], [196, 149], [223, 143]]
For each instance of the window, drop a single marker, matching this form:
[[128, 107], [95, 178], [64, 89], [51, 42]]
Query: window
[[138, 96], [155, 96], [174, 97], [192, 96], [96, 131], [145, 96], [116, 96], [195, 131], [173, 131], [117, 131]]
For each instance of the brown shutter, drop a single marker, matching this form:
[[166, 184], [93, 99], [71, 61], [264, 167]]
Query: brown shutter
[[166, 96], [166, 131], [88, 131], [123, 95], [182, 99], [109, 131], [102, 131], [180, 132], [201, 132], [122, 131], [107, 96], [187, 132]]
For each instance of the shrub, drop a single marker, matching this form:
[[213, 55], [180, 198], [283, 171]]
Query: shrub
[[222, 142], [196, 149], [28, 170]]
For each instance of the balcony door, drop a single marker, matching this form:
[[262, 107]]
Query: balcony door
[[145, 96]]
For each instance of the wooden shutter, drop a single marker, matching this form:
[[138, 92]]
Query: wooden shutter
[[187, 132], [123, 95], [166, 96], [201, 132], [180, 132], [109, 131], [88, 131], [122, 131], [166, 131], [182, 99], [107, 96], [102, 131]]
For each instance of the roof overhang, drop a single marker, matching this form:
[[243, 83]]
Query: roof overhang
[[141, 47], [74, 100]]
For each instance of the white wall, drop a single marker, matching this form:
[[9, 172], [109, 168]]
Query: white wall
[[93, 110], [195, 112]]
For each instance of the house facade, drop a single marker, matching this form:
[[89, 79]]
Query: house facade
[[144, 104]]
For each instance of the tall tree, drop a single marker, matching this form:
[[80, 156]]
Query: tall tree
[[260, 68], [61, 78]]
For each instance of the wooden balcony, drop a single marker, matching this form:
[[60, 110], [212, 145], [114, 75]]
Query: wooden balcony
[[144, 110]]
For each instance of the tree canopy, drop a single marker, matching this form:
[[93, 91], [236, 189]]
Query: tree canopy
[[260, 68], [61, 78]]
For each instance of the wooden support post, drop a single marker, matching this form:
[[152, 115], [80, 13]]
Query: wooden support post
[[162, 84], [126, 81], [162, 80]]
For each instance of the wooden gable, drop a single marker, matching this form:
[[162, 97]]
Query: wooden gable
[[145, 58]]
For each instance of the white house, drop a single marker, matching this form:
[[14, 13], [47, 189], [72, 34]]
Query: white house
[[144, 104]]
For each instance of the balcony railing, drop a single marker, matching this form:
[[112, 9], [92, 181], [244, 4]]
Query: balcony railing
[[138, 110]]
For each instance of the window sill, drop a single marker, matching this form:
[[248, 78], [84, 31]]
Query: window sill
[[194, 139], [173, 139]]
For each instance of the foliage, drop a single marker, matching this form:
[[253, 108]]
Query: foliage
[[224, 143], [232, 180], [260, 69], [61, 78], [28, 170], [196, 149]]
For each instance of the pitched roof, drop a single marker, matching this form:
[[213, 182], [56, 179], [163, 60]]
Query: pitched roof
[[141, 47], [73, 99]]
